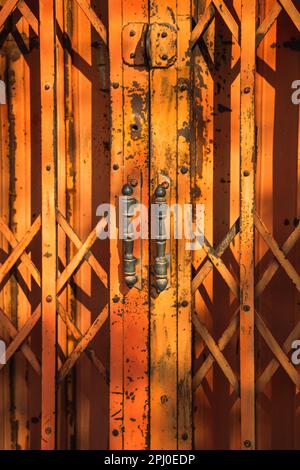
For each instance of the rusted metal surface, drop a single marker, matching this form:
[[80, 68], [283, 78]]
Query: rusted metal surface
[[107, 344]]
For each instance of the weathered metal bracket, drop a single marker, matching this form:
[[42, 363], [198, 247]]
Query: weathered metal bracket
[[152, 45]]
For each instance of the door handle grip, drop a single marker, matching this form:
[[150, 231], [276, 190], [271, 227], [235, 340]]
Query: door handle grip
[[161, 260], [129, 259]]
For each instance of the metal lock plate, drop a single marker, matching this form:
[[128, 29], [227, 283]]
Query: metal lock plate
[[154, 45], [134, 44], [161, 45]]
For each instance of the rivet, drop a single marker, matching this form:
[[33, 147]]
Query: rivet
[[47, 86], [247, 90], [164, 34], [246, 173], [116, 299], [48, 167], [49, 299], [184, 170], [116, 167], [246, 308], [48, 430], [132, 55], [115, 432], [132, 33], [183, 87], [247, 444], [184, 303], [164, 57], [184, 437], [115, 85]]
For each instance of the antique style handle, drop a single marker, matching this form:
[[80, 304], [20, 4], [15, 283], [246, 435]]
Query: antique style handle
[[129, 259], [161, 261]]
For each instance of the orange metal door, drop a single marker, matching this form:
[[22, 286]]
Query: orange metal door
[[150, 331], [144, 344]]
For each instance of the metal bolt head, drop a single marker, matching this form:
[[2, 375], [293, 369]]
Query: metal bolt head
[[184, 170], [164, 34], [48, 430], [115, 432], [160, 191], [247, 90], [247, 444], [127, 190], [246, 308], [47, 86], [49, 299], [185, 436], [164, 57], [115, 85], [48, 167], [246, 173], [184, 303], [132, 33], [115, 167]]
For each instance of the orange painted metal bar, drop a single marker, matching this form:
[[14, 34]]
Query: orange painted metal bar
[[292, 11], [49, 231], [228, 18], [7, 10], [136, 300], [248, 149], [203, 23], [29, 16], [116, 392], [184, 354], [129, 381], [163, 316], [93, 18]]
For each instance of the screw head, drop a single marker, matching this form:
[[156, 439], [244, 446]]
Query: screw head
[[48, 167], [247, 90], [115, 432], [164, 57], [115, 167], [49, 299], [184, 170], [115, 85], [116, 299], [184, 303], [246, 308]]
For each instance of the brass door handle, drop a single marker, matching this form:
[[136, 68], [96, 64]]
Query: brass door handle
[[161, 260], [129, 259]]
